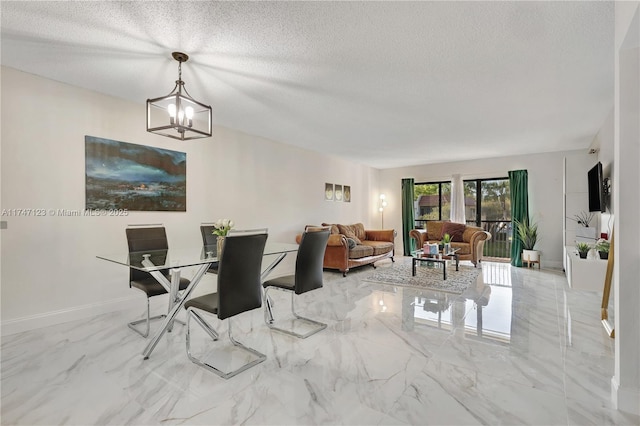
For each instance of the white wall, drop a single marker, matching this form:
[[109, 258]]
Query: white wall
[[625, 385], [49, 270], [545, 173]]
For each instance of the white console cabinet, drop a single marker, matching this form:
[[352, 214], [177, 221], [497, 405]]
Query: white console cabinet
[[585, 274]]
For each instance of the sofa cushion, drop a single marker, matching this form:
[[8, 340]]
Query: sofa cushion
[[360, 251], [455, 230], [465, 248], [358, 228], [334, 227], [379, 247], [434, 230], [349, 232]]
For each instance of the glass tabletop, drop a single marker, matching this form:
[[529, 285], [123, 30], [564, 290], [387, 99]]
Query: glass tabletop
[[421, 253], [181, 258]]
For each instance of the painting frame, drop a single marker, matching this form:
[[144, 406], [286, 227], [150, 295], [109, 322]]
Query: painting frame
[[126, 176], [346, 193], [328, 192], [337, 192]]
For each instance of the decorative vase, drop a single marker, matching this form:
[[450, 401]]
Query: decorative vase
[[447, 248], [220, 245]]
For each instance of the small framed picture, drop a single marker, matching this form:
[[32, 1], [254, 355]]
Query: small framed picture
[[346, 194], [337, 192], [328, 191]]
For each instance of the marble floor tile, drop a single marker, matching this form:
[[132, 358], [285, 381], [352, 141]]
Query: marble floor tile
[[517, 347]]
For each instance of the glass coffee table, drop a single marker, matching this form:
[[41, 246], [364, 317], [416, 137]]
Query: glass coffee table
[[421, 256]]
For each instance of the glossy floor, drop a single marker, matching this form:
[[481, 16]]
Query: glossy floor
[[518, 347]]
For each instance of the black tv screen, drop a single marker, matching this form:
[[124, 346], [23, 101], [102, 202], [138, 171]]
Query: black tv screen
[[596, 189]]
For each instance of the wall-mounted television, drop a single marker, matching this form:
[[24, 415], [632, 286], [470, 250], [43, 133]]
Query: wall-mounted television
[[597, 193]]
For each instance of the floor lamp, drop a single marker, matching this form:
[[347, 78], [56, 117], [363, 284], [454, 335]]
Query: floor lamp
[[383, 204]]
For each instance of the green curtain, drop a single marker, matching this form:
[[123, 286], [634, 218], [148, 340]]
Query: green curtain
[[518, 183], [408, 219]]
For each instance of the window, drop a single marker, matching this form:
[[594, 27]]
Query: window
[[432, 200], [487, 204]]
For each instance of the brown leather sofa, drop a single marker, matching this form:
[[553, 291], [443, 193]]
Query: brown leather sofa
[[350, 246], [470, 239]]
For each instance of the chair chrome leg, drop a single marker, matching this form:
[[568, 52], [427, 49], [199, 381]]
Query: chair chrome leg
[[268, 312], [260, 357], [319, 325], [132, 325]]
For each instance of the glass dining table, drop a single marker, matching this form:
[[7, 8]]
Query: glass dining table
[[156, 261]]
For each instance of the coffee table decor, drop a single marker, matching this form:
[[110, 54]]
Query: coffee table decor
[[426, 277]]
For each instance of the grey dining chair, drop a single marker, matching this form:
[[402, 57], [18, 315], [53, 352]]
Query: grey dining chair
[[307, 277], [150, 239], [238, 291]]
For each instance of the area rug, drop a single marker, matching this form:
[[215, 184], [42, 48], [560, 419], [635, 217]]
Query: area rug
[[426, 277]]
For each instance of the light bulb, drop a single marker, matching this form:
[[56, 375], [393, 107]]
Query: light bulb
[[380, 209], [189, 112], [172, 110], [172, 113], [382, 196], [384, 204]]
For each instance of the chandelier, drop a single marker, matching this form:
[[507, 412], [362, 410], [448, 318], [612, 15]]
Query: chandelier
[[177, 115]]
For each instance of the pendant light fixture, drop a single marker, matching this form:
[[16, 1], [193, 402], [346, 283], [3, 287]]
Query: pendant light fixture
[[177, 115]]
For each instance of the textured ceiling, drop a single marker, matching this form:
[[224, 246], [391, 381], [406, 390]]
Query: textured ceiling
[[386, 84]]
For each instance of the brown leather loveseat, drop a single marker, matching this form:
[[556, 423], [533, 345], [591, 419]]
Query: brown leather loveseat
[[352, 245], [469, 239]]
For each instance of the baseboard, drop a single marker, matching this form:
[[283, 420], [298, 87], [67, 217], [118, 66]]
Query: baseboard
[[625, 399], [33, 322]]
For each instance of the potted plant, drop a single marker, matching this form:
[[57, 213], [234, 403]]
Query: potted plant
[[221, 229], [603, 248], [584, 230], [583, 249], [446, 241], [528, 234]]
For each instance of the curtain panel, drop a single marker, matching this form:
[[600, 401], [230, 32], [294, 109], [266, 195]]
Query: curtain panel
[[518, 183], [457, 200], [408, 216]]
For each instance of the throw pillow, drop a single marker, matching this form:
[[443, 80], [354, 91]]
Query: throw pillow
[[455, 230], [334, 228], [348, 232], [352, 243]]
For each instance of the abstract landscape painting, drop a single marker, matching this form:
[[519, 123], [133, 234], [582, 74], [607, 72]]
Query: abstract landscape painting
[[122, 175]]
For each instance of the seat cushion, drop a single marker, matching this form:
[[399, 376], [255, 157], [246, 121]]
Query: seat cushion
[[153, 288], [207, 302], [287, 282], [360, 251], [465, 248], [379, 247]]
